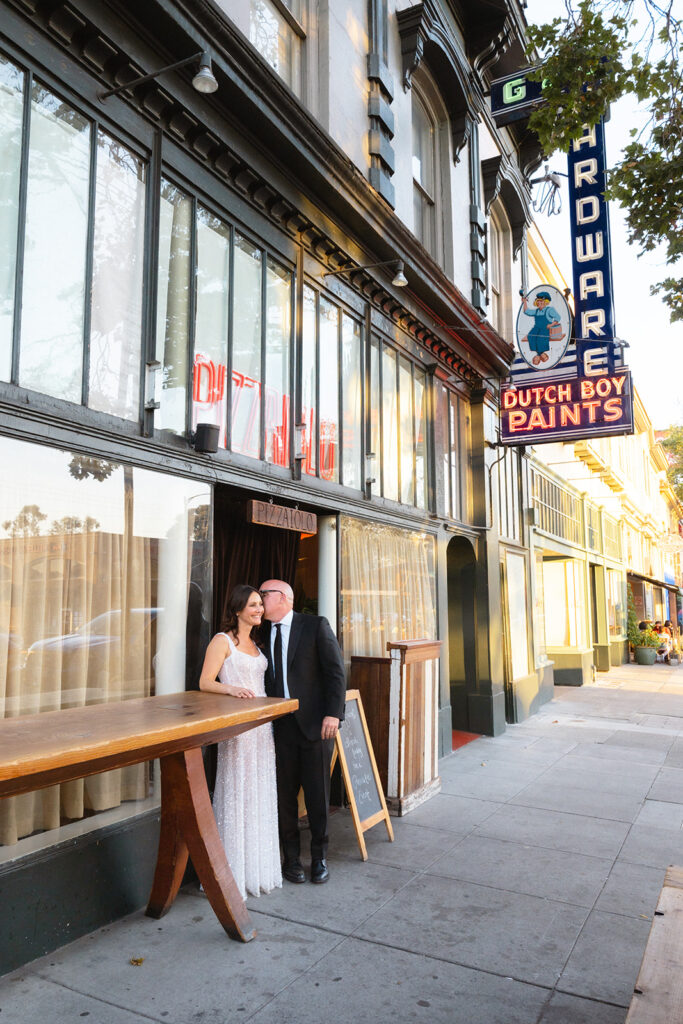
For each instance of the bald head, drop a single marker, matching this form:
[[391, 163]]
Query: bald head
[[278, 599]]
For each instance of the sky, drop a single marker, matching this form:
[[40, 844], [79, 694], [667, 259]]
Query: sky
[[655, 355]]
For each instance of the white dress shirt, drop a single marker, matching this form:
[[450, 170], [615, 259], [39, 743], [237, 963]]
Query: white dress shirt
[[285, 625]]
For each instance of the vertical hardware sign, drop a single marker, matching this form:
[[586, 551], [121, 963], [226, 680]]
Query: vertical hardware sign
[[591, 254]]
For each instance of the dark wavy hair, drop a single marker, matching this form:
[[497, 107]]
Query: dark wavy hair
[[237, 602]]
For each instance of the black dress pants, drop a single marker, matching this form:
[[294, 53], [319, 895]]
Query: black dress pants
[[301, 762]]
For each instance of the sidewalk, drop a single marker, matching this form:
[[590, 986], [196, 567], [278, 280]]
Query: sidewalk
[[521, 894]]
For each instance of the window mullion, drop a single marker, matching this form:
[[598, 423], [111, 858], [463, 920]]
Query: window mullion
[[191, 327], [150, 281], [340, 394], [316, 438], [231, 319], [89, 260], [264, 311], [21, 224]]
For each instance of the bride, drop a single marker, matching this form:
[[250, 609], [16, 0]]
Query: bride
[[245, 796]]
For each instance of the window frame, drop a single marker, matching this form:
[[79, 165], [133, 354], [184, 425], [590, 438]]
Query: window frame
[[426, 93], [138, 137]]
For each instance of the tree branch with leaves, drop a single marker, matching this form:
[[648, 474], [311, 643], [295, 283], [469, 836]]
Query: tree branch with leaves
[[603, 50]]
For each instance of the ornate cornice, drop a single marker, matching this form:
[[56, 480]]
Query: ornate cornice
[[425, 36], [501, 177]]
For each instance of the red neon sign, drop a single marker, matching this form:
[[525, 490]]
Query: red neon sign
[[209, 405], [582, 407]]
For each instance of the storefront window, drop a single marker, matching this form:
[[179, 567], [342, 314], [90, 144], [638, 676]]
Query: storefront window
[[420, 438], [210, 367], [118, 256], [388, 589], [329, 390], [309, 386], [389, 425], [105, 595], [351, 402], [173, 306], [516, 619], [53, 296], [616, 603], [246, 351], [563, 585], [278, 343], [77, 322], [539, 605], [11, 109], [407, 442]]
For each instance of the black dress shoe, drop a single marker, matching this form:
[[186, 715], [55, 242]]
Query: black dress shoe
[[319, 872], [293, 871]]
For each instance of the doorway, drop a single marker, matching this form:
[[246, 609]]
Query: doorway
[[245, 552], [462, 657]]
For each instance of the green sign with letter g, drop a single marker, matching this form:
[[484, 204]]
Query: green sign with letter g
[[514, 90]]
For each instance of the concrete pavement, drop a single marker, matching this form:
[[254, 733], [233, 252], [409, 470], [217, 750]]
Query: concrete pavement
[[522, 894]]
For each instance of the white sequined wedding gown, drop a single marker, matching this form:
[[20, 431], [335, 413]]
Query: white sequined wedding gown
[[245, 795]]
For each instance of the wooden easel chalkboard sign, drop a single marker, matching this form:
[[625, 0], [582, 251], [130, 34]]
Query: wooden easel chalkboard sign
[[359, 771]]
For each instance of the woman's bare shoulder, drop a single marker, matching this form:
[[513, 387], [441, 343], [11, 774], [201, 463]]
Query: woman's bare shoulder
[[221, 642]]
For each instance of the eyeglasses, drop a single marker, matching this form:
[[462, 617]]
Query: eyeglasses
[[263, 593]]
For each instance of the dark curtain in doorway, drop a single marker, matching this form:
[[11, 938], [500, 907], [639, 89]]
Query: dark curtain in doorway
[[246, 553]]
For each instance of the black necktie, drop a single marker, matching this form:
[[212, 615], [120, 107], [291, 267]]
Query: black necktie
[[277, 663]]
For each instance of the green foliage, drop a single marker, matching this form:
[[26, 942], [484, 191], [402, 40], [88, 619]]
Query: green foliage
[[648, 638], [673, 446], [632, 631], [602, 51]]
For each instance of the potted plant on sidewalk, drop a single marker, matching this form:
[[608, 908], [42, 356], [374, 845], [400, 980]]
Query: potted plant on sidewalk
[[646, 646], [643, 642]]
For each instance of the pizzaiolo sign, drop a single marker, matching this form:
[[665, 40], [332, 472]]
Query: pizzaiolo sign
[[265, 513]]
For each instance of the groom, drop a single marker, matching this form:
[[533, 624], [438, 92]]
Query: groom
[[304, 661]]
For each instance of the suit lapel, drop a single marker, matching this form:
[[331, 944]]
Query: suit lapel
[[294, 636], [267, 651]]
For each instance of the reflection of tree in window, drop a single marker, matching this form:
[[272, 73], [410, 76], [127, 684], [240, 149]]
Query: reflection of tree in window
[[276, 40], [116, 303]]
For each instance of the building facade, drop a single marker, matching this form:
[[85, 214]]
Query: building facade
[[173, 260]]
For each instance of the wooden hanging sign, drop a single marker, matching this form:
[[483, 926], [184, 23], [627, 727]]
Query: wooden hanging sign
[[359, 770], [264, 513]]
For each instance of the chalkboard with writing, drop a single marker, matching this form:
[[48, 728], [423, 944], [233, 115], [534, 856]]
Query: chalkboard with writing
[[361, 778]]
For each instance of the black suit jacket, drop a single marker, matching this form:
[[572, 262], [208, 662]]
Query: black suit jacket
[[315, 671]]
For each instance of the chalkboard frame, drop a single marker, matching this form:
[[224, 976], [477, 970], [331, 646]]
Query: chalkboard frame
[[362, 826]]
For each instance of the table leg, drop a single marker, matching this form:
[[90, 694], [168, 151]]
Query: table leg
[[189, 827]]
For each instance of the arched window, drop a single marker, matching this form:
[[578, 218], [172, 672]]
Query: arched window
[[499, 271], [431, 203]]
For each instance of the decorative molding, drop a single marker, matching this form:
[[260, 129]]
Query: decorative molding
[[502, 178], [425, 36]]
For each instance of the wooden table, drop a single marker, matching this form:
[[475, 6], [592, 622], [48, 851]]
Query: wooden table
[[57, 746]]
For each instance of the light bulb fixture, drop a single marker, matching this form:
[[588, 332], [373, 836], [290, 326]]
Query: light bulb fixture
[[203, 81], [399, 280]]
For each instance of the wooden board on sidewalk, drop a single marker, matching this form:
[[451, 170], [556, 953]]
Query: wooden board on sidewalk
[[658, 995]]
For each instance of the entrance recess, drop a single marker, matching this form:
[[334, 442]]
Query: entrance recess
[[462, 625]]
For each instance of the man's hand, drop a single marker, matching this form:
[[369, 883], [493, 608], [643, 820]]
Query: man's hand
[[330, 728]]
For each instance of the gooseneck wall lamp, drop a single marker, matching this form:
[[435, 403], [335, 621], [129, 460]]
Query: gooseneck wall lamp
[[203, 81], [399, 281]]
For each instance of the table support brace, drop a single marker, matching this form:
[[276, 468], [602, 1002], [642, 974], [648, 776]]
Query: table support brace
[[188, 827]]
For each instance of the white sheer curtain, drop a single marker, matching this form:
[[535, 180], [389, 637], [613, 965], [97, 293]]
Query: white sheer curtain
[[388, 587]]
